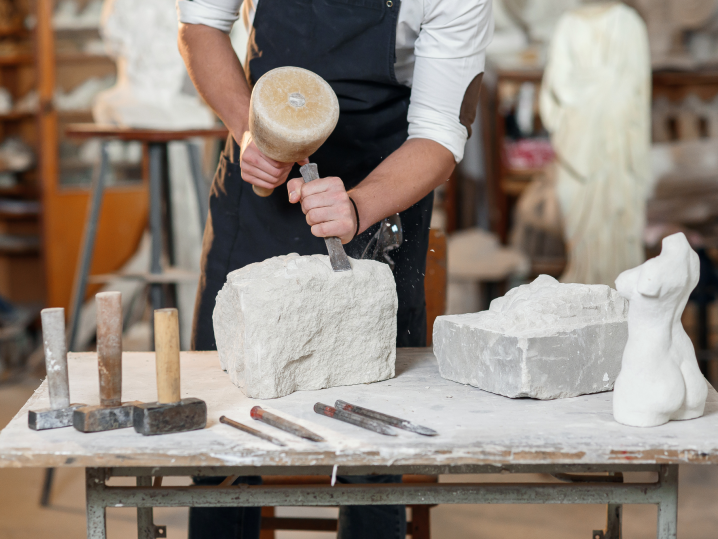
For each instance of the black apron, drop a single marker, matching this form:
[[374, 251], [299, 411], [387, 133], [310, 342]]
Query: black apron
[[351, 44]]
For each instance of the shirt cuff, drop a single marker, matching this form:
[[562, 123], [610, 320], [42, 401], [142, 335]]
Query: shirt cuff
[[437, 93], [198, 12], [432, 125]]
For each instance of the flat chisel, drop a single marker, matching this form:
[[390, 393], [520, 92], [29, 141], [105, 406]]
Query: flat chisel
[[384, 418], [337, 256], [354, 419]]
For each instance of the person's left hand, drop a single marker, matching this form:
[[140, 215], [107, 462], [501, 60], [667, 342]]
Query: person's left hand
[[326, 204]]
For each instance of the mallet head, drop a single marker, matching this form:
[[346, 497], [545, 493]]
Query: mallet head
[[60, 412], [171, 413], [112, 413], [159, 418], [101, 418], [47, 418]]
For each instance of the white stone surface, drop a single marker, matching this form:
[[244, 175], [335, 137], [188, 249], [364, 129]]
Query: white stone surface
[[290, 323], [544, 340], [660, 379]]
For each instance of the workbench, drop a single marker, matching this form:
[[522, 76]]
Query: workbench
[[479, 433]]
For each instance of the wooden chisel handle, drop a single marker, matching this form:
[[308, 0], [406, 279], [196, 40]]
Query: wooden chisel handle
[[262, 191], [53, 340], [109, 346], [167, 353]]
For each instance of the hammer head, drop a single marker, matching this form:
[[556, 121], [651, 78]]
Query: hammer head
[[160, 418], [101, 418], [49, 418]]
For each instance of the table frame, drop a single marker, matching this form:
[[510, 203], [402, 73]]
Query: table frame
[[577, 488]]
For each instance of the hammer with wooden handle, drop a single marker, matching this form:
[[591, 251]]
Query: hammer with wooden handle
[[53, 339], [111, 413], [170, 413], [292, 112]]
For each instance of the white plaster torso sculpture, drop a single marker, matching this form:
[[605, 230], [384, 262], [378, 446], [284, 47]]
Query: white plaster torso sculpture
[[595, 102], [659, 379], [142, 36]]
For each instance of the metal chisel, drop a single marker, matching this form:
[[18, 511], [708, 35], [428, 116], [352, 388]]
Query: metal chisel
[[384, 418], [269, 418], [337, 256], [354, 419]]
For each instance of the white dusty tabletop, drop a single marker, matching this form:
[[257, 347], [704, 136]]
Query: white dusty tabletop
[[475, 427]]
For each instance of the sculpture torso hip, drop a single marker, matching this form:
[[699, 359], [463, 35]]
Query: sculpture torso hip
[[659, 379]]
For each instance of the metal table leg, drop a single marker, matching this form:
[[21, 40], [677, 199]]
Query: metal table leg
[[96, 517], [145, 523], [663, 493], [668, 506]]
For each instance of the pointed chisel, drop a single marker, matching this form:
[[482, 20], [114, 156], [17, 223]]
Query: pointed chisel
[[250, 430], [269, 418], [354, 419], [389, 420]]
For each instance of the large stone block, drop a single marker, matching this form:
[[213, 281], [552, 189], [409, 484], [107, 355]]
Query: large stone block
[[544, 340], [290, 323]]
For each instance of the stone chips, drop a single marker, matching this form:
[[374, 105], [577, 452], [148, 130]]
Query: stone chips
[[290, 323], [543, 340]]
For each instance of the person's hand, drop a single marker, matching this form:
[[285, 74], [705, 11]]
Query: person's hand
[[326, 204], [258, 169]]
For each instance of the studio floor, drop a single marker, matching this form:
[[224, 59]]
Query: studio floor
[[21, 517]]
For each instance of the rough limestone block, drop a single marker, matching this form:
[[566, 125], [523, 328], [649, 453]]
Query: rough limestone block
[[290, 323], [543, 340]]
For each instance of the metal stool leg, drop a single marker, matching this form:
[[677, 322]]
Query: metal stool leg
[[156, 165], [88, 246], [47, 487], [200, 185]]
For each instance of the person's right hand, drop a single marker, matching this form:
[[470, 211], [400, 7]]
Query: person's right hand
[[258, 169]]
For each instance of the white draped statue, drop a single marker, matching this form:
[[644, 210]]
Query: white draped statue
[[142, 36], [595, 102]]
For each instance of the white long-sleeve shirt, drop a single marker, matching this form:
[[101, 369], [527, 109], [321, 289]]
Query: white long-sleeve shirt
[[440, 49]]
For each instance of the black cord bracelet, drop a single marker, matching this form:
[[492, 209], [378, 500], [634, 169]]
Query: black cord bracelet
[[356, 212]]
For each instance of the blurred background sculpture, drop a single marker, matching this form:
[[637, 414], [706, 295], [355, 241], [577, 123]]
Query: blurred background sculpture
[[682, 32], [595, 103], [151, 76]]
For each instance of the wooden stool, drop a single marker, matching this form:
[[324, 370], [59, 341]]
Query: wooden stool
[[155, 146]]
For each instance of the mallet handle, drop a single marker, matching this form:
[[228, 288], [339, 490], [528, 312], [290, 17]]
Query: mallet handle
[[53, 340], [167, 352], [109, 346], [262, 191]]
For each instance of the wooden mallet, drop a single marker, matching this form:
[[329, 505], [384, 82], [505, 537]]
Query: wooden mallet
[[171, 413], [111, 413], [292, 112], [53, 339]]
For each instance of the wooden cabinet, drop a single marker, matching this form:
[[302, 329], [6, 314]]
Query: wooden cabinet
[[21, 275]]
